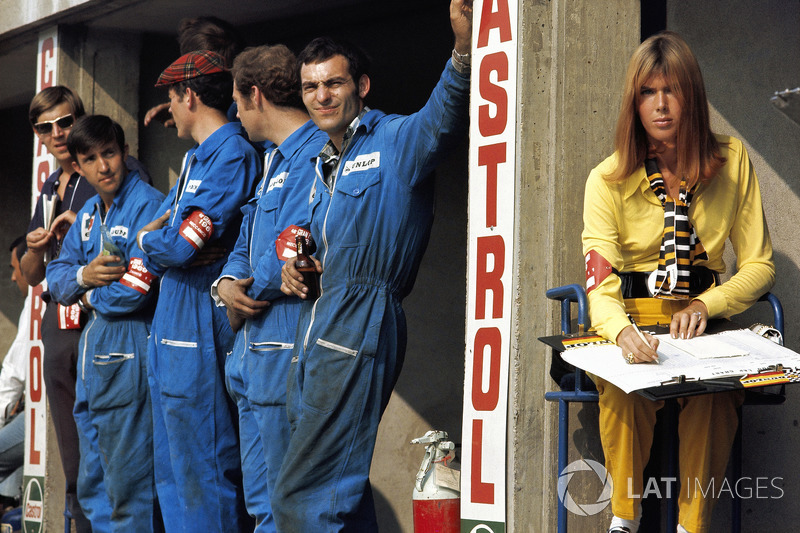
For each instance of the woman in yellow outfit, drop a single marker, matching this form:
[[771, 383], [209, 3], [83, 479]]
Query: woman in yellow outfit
[[657, 214]]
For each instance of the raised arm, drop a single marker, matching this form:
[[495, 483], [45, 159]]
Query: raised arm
[[429, 133]]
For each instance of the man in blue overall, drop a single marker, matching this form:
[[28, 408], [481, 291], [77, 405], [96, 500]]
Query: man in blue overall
[[267, 93], [100, 268], [197, 467], [372, 209]]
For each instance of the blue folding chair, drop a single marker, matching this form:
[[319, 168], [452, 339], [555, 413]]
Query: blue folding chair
[[754, 397]]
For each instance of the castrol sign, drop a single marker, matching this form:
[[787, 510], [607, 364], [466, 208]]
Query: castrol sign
[[35, 399], [490, 263]]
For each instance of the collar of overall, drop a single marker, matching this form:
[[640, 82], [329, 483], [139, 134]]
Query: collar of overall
[[680, 246]]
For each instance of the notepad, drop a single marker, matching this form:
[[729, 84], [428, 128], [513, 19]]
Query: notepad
[[705, 346]]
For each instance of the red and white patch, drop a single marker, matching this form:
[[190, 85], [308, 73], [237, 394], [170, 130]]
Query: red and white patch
[[69, 316], [86, 227], [137, 277], [286, 244], [197, 229], [597, 269]]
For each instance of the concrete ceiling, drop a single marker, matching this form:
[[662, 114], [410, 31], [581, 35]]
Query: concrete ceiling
[[162, 16], [18, 47]]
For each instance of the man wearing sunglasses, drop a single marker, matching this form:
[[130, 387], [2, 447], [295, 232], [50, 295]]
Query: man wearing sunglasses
[[53, 112]]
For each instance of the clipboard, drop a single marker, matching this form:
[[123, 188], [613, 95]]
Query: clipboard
[[681, 385]]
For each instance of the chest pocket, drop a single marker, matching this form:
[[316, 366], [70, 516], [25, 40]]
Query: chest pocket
[[269, 201], [264, 216], [354, 207]]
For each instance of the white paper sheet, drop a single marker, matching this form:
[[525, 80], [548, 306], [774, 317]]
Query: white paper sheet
[[762, 354]]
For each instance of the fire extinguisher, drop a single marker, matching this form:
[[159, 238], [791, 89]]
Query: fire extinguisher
[[437, 496]]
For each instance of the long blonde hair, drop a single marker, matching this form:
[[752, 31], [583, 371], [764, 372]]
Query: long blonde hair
[[699, 156]]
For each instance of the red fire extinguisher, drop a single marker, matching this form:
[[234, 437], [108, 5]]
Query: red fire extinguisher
[[437, 496]]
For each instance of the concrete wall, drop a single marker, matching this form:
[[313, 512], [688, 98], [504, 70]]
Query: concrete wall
[[16, 152], [749, 50], [571, 75]]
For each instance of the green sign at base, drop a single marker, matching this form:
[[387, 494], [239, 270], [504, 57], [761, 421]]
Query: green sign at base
[[33, 504]]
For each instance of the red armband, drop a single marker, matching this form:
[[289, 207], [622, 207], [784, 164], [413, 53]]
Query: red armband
[[137, 277], [286, 245], [597, 269], [197, 229], [69, 316]]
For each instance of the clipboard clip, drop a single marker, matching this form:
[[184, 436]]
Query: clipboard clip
[[677, 380]]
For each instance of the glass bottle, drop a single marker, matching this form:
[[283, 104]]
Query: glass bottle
[[307, 268]]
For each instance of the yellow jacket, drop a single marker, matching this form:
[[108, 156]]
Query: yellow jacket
[[624, 223]]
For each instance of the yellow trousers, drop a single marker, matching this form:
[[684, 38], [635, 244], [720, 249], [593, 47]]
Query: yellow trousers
[[706, 429]]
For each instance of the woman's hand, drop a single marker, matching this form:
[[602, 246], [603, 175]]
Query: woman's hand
[[636, 350], [689, 322]]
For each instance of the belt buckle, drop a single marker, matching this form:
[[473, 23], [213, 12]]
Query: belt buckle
[[651, 283]]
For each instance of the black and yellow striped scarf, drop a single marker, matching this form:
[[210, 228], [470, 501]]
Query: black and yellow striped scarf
[[680, 246]]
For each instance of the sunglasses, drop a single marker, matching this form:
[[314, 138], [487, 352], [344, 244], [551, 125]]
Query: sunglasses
[[46, 126]]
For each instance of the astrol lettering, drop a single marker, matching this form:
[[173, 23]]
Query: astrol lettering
[[491, 248], [490, 272]]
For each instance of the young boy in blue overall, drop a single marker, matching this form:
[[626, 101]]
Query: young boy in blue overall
[[100, 268]]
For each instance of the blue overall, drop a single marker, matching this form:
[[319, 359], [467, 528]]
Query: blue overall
[[116, 488], [198, 473], [371, 228], [256, 372]]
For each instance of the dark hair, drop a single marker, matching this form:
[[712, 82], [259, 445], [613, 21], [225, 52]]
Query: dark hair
[[214, 90], [18, 246], [93, 131], [210, 33], [323, 48], [51, 97], [272, 70]]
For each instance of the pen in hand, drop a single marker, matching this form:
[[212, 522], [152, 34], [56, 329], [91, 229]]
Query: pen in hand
[[641, 335]]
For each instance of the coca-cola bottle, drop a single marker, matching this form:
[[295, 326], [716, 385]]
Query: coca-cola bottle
[[307, 268]]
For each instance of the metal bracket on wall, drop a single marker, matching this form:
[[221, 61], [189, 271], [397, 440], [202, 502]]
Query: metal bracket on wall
[[788, 102]]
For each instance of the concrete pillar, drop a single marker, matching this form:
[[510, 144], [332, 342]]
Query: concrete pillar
[[573, 57], [103, 67]]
